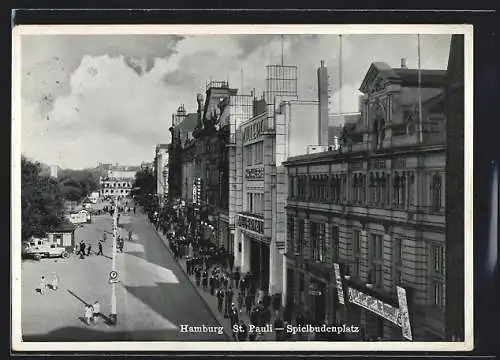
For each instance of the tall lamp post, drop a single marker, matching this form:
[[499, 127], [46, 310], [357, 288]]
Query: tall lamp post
[[113, 315]]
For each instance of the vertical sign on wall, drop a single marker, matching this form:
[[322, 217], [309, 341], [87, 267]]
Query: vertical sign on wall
[[338, 279], [404, 313]]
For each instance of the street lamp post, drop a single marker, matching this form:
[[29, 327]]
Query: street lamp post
[[113, 262]]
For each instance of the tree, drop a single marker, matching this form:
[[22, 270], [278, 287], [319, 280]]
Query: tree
[[41, 200], [144, 188], [77, 184]]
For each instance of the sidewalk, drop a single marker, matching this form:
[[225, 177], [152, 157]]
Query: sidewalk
[[211, 301]]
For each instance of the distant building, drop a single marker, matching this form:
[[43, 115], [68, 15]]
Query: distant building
[[161, 171], [118, 181], [54, 170]]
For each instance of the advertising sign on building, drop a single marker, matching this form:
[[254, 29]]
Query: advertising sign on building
[[404, 315], [338, 280], [197, 191], [374, 305]]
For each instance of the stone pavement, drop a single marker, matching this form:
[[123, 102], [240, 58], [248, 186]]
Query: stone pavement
[[211, 301]]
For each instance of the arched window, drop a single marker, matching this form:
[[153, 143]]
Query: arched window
[[376, 135], [436, 192], [403, 189], [382, 185], [372, 188]]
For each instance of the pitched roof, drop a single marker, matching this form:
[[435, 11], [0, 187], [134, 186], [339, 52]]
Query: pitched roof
[[64, 226], [406, 77]]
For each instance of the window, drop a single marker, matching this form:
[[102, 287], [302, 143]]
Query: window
[[356, 240], [300, 238], [335, 243], [436, 192], [302, 187], [290, 233], [397, 257], [335, 189], [396, 193], [376, 246], [438, 259], [438, 293], [376, 259], [398, 252], [383, 189]]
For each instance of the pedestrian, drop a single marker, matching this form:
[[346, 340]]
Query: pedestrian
[[248, 304], [96, 312], [55, 282], [237, 278], [89, 249], [88, 314], [43, 285], [205, 280], [240, 300], [198, 276], [220, 299], [211, 283], [100, 249], [233, 316], [81, 251], [243, 333], [134, 209]]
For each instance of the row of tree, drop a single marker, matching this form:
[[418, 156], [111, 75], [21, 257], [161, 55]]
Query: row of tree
[[42, 197], [144, 189]]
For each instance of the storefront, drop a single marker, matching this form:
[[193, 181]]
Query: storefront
[[253, 248]]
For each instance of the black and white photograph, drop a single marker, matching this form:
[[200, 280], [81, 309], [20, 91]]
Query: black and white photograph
[[234, 187]]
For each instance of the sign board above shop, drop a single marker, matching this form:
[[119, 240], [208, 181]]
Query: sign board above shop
[[251, 223]]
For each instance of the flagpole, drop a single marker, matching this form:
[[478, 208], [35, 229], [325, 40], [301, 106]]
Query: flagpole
[[420, 125], [340, 74]]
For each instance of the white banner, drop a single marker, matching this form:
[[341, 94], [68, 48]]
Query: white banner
[[404, 314]]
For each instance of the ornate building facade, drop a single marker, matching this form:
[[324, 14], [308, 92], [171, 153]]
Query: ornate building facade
[[366, 230]]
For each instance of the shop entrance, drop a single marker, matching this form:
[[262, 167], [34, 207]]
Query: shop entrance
[[318, 301], [259, 262]]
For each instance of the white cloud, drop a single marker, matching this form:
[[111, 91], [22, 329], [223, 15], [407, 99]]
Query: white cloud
[[110, 99]]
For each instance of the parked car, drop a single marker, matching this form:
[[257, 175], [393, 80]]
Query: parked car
[[41, 248]]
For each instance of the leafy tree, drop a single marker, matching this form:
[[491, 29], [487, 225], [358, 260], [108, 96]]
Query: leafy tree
[[144, 188], [77, 184], [41, 200]]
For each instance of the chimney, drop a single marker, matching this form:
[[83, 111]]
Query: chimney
[[403, 63], [322, 63]]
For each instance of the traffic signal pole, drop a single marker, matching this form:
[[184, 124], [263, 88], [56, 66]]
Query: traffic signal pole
[[113, 262]]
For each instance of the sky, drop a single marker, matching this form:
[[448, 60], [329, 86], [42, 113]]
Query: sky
[[109, 98]]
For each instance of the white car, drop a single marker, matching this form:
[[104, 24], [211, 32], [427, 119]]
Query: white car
[[37, 249]]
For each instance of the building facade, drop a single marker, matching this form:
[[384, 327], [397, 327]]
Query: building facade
[[161, 172], [262, 145], [118, 181], [366, 224]]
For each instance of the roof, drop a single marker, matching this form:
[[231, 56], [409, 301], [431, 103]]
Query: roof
[[406, 77], [64, 226], [429, 78]]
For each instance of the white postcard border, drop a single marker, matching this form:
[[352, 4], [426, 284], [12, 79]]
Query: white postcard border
[[19, 31]]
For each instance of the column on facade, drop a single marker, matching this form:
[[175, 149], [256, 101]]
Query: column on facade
[[236, 246], [388, 265], [245, 253], [276, 270]]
